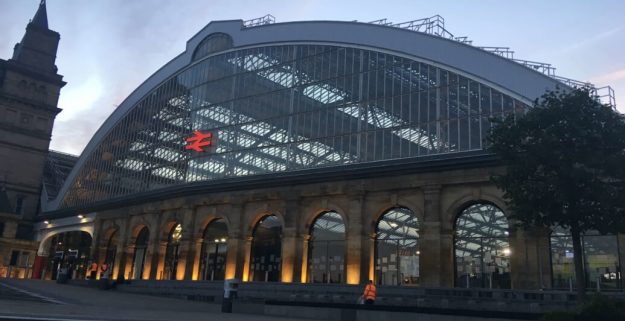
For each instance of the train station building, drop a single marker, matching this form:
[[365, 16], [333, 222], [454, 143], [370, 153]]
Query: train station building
[[314, 152]]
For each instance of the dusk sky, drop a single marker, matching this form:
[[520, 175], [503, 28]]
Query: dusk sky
[[108, 47]]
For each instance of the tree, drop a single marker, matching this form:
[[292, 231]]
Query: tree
[[565, 166]]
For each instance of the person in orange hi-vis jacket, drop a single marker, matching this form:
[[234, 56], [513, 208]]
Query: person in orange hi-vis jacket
[[370, 293]]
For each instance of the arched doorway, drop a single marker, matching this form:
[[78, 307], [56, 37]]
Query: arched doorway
[[397, 248], [172, 252], [326, 249], [482, 249], [214, 251], [600, 256], [266, 251], [69, 250], [141, 246]]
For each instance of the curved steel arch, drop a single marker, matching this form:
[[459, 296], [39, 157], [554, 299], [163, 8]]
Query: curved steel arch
[[500, 73]]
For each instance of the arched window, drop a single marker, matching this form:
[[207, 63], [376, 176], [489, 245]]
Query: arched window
[[397, 248], [172, 252], [266, 261], [326, 249], [601, 259], [482, 248], [214, 251], [141, 246], [111, 250]]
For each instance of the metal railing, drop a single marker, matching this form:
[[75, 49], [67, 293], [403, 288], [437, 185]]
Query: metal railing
[[435, 25]]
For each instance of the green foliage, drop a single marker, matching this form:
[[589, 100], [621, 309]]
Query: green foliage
[[565, 163]]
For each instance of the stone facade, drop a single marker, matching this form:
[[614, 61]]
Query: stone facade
[[436, 198], [29, 93]]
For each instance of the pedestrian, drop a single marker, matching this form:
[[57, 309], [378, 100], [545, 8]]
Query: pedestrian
[[370, 293]]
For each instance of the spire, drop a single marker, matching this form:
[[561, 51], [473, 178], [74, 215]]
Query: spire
[[41, 17]]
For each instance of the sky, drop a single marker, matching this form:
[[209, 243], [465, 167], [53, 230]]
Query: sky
[[109, 47]]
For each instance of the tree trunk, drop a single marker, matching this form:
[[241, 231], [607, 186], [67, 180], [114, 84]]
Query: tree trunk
[[578, 260]]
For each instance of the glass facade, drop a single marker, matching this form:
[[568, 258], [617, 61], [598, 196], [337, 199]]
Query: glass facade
[[214, 251], [482, 248], [326, 249], [601, 260], [397, 248], [266, 254], [286, 108]]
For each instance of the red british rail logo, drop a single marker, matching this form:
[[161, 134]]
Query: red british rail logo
[[199, 140]]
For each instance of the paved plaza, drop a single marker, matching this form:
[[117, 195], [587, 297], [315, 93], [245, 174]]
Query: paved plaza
[[46, 300]]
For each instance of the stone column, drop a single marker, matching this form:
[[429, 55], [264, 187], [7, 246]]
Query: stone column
[[247, 251], [128, 267], [304, 242], [358, 251], [434, 257], [289, 245], [197, 244], [156, 257], [530, 264], [122, 252], [186, 255], [291, 267]]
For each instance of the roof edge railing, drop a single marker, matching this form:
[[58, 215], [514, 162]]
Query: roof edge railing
[[435, 25]]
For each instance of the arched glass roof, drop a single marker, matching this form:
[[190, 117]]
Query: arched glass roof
[[281, 108]]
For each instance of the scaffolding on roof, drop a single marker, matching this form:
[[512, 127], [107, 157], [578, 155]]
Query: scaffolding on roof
[[435, 25]]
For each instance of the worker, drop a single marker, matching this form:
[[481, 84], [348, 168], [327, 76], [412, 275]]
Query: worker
[[104, 268], [370, 293]]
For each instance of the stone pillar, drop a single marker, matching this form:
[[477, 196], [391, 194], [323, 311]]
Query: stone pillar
[[129, 261], [291, 267], [156, 257], [186, 255], [358, 251], [238, 248], [435, 258], [530, 264], [247, 251], [122, 251], [197, 244], [304, 242], [289, 245]]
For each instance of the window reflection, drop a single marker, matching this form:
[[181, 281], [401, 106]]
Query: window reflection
[[601, 260], [397, 248], [266, 261], [326, 249], [214, 251], [482, 248]]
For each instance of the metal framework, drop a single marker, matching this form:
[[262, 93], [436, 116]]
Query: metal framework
[[435, 25]]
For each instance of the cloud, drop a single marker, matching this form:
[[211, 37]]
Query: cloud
[[609, 77], [591, 40]]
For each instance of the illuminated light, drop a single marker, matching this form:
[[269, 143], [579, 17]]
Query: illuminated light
[[197, 142], [418, 252], [506, 233], [46, 222], [506, 252], [60, 243], [80, 216], [216, 240], [223, 240], [353, 274], [393, 224]]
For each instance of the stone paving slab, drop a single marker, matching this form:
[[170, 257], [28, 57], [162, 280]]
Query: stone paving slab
[[77, 302]]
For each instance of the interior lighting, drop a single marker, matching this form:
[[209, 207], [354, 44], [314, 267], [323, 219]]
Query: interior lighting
[[506, 252], [46, 222], [223, 240], [80, 216]]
